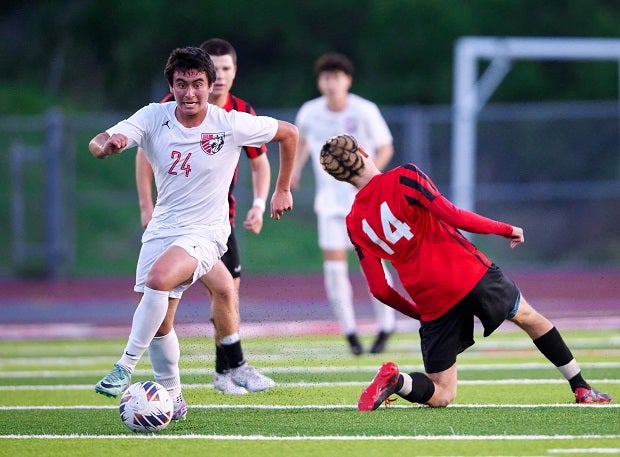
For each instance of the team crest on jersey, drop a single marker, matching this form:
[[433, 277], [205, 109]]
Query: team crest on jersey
[[212, 143]]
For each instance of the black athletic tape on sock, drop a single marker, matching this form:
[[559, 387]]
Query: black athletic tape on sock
[[221, 362], [422, 388], [234, 354]]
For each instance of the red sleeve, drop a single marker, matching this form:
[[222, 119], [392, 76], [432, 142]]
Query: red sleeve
[[445, 210], [382, 291], [238, 104]]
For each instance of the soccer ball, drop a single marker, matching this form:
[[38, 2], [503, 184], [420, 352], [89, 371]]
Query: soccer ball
[[146, 407]]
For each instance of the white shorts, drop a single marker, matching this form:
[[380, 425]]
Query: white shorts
[[207, 250], [333, 233]]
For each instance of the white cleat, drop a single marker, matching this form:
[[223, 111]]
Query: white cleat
[[225, 384], [251, 379]]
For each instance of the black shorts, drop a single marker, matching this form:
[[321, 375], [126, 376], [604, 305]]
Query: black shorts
[[231, 256], [493, 299]]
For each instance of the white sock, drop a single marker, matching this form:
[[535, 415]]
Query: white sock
[[165, 354], [570, 370], [386, 316], [147, 319], [340, 293], [230, 339], [407, 385]]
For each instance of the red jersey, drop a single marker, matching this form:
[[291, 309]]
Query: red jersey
[[236, 104], [401, 216]]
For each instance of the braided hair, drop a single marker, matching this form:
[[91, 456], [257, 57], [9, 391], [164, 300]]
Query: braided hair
[[340, 157]]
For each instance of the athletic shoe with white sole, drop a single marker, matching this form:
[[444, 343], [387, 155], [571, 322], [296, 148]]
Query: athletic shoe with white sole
[[180, 409], [223, 382], [251, 379], [114, 383], [379, 390]]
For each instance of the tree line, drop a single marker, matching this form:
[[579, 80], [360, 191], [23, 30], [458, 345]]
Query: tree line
[[93, 55]]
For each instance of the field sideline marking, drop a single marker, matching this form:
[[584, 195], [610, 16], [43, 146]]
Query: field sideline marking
[[465, 382], [136, 436], [310, 407], [579, 451], [303, 369]]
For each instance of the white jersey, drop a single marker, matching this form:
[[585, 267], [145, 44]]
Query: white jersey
[[193, 167], [316, 123]]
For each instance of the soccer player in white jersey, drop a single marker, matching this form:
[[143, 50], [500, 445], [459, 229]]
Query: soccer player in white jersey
[[193, 148], [224, 279], [335, 112]]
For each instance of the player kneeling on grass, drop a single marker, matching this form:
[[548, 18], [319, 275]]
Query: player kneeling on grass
[[401, 216]]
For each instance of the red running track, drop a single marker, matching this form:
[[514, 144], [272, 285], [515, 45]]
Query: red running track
[[273, 305]]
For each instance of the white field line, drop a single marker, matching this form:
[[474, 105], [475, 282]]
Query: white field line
[[314, 407], [302, 369], [74, 354], [582, 451], [136, 436], [305, 385]]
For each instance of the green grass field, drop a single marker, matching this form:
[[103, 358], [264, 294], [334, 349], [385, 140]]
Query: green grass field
[[510, 402]]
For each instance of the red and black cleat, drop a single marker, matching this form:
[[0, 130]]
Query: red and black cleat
[[584, 395], [379, 390]]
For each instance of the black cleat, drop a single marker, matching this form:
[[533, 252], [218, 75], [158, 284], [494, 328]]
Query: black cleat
[[354, 343], [380, 341]]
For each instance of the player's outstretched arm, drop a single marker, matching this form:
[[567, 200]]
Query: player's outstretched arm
[[282, 199], [445, 210], [104, 145]]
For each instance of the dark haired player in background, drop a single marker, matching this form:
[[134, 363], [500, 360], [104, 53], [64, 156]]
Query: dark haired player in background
[[339, 111]]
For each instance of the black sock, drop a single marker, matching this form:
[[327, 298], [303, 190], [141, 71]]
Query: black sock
[[221, 362], [234, 354], [578, 381], [552, 346], [422, 388]]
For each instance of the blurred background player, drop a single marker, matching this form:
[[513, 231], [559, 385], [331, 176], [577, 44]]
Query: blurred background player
[[402, 217], [339, 111], [224, 280]]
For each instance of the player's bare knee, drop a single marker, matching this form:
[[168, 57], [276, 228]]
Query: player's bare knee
[[442, 397], [157, 281], [224, 295]]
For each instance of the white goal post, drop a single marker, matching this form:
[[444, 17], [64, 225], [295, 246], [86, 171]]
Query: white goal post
[[471, 92]]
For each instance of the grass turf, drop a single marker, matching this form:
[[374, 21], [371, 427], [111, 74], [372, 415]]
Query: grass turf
[[510, 402]]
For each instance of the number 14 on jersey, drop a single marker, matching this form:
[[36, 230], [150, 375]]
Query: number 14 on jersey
[[393, 229]]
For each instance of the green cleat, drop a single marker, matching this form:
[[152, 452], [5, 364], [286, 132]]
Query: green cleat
[[114, 383]]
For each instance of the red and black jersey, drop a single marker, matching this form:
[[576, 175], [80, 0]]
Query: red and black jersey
[[236, 104], [401, 216]]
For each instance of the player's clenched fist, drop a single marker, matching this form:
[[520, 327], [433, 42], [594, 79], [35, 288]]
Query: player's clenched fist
[[104, 145]]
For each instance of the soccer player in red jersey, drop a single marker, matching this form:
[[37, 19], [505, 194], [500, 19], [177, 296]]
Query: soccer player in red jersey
[[224, 280], [401, 216]]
